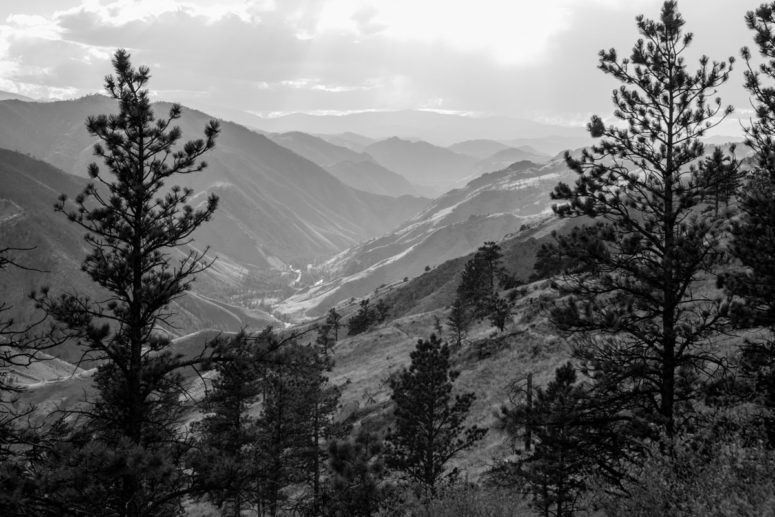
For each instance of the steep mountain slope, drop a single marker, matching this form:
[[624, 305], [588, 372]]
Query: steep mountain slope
[[276, 206], [455, 224], [422, 163], [53, 249]]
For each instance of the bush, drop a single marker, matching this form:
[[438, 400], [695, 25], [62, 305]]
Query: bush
[[696, 481], [461, 500]]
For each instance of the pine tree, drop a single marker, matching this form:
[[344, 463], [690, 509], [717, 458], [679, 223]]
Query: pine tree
[[367, 316], [458, 320], [332, 320], [133, 222], [222, 461], [641, 324], [479, 280], [296, 422], [360, 321], [281, 431], [720, 173], [322, 399], [356, 486], [20, 346], [428, 429], [573, 438], [753, 235]]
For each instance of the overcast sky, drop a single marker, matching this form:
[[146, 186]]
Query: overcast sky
[[532, 59]]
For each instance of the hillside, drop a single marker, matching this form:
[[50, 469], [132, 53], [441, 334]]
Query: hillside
[[454, 225], [276, 208], [53, 249]]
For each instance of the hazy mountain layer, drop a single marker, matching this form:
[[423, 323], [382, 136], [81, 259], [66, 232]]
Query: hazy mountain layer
[[437, 128], [504, 158], [355, 169], [423, 163], [480, 149], [277, 207]]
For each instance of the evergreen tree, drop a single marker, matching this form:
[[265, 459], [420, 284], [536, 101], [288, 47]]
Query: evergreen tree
[[561, 256], [361, 320], [222, 462], [753, 235], [640, 322], [428, 429], [367, 316], [458, 320], [356, 486], [19, 348], [478, 287], [332, 320], [720, 173], [133, 221], [322, 399], [296, 421], [499, 313], [570, 443]]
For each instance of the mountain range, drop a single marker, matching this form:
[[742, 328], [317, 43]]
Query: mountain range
[[438, 128], [277, 207]]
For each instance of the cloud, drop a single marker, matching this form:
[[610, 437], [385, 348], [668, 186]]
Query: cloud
[[531, 59]]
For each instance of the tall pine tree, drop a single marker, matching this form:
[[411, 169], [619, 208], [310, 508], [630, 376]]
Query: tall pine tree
[[574, 439], [642, 321], [753, 235], [133, 221], [429, 420], [222, 462]]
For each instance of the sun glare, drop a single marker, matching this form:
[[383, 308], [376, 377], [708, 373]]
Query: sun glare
[[510, 32]]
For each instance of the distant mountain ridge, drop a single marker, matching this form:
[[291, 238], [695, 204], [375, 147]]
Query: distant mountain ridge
[[438, 128]]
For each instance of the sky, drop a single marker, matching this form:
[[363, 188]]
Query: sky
[[532, 59]]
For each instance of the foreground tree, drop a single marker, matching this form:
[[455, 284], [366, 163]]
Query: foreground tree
[[19, 348], [133, 465], [574, 439], [428, 429], [222, 463], [753, 235], [641, 323]]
